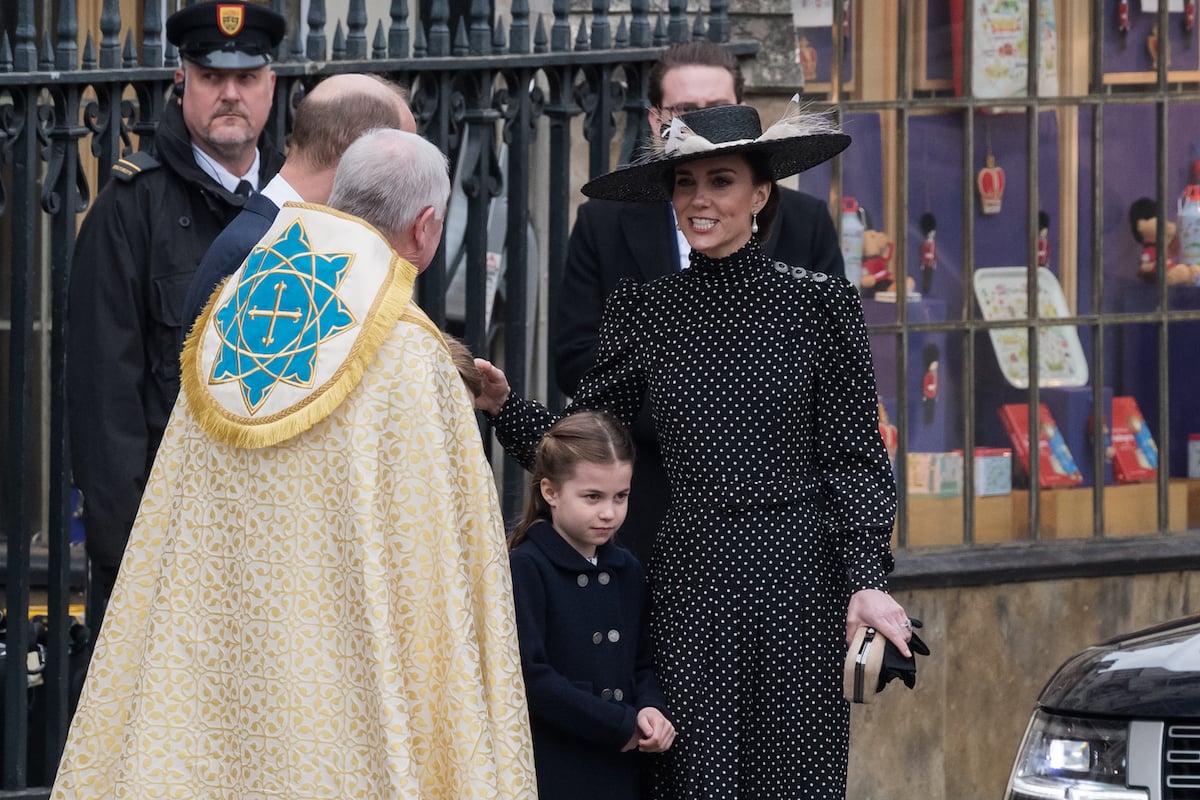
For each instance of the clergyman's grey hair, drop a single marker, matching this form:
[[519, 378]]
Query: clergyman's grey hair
[[387, 177]]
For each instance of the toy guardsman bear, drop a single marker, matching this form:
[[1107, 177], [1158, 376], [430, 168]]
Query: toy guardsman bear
[[878, 249], [877, 261]]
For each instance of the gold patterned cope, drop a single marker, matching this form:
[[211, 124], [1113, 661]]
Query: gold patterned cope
[[326, 617]]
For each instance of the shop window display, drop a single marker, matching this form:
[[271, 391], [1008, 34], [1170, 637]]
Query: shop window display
[[955, 208]]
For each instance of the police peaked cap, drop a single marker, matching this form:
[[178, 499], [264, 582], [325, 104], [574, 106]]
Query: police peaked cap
[[226, 35]]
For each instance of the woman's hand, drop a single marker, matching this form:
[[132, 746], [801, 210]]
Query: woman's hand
[[495, 387], [878, 610]]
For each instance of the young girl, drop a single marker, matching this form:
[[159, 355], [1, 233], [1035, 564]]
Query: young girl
[[594, 702]]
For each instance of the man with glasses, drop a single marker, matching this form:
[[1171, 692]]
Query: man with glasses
[[612, 241]]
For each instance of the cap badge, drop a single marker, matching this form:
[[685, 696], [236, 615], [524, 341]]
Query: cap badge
[[231, 19]]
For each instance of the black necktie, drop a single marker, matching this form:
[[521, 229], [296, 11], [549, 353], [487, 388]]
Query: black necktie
[[243, 188]]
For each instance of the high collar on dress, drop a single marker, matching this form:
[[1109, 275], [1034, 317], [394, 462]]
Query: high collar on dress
[[738, 263]]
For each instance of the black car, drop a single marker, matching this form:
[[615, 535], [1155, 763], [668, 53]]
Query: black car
[[1119, 720]]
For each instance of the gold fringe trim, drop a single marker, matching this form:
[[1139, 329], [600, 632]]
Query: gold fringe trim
[[392, 303]]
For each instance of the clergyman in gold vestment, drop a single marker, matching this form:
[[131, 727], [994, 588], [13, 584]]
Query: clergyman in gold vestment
[[315, 601]]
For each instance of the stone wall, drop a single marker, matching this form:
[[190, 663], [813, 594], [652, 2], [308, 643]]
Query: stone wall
[[769, 22]]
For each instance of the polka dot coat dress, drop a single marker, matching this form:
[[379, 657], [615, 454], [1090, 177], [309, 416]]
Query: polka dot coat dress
[[782, 501]]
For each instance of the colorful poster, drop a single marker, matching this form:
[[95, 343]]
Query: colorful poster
[[1001, 48]]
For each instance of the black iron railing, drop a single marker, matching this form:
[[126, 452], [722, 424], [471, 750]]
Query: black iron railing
[[484, 92]]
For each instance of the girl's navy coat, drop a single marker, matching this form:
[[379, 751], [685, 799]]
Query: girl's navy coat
[[585, 651]]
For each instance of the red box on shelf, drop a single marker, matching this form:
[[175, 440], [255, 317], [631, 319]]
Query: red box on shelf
[[1056, 465], [1135, 455]]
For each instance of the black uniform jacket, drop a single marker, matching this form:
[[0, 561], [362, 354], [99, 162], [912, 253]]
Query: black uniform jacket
[[134, 257], [585, 653], [614, 241]]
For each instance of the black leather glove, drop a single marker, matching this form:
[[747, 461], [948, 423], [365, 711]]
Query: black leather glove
[[897, 666]]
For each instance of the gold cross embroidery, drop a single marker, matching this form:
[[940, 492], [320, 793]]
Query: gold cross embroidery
[[274, 314]]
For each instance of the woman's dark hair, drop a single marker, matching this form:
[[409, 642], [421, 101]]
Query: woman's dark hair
[[591, 436], [760, 169]]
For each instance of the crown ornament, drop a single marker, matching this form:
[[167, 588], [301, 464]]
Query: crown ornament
[[991, 186]]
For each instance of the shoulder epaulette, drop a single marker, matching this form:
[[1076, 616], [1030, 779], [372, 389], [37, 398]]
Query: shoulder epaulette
[[133, 165]]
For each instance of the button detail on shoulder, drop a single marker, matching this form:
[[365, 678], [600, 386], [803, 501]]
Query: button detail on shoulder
[[604, 578], [582, 580], [800, 273], [614, 635], [597, 637]]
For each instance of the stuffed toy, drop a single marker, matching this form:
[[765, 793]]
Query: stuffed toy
[[877, 263], [1143, 223]]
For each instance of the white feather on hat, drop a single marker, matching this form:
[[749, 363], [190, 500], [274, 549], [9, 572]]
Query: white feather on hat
[[801, 139]]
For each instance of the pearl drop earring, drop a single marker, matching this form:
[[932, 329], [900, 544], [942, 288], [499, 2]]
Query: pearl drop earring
[[754, 223]]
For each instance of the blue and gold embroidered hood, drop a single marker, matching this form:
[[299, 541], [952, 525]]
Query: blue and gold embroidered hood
[[287, 336]]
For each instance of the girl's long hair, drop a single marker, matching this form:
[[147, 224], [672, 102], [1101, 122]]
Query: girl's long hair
[[588, 436]]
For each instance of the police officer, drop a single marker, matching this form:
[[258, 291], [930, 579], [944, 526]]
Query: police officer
[[135, 254]]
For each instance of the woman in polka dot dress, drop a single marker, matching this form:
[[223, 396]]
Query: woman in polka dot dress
[[775, 547]]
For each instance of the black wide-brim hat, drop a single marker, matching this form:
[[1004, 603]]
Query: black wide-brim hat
[[799, 141], [226, 35]]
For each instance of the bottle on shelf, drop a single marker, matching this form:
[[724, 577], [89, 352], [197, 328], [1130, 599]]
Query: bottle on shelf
[[852, 240], [1187, 224]]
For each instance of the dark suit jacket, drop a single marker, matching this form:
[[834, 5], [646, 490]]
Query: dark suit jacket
[[612, 241], [227, 252]]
